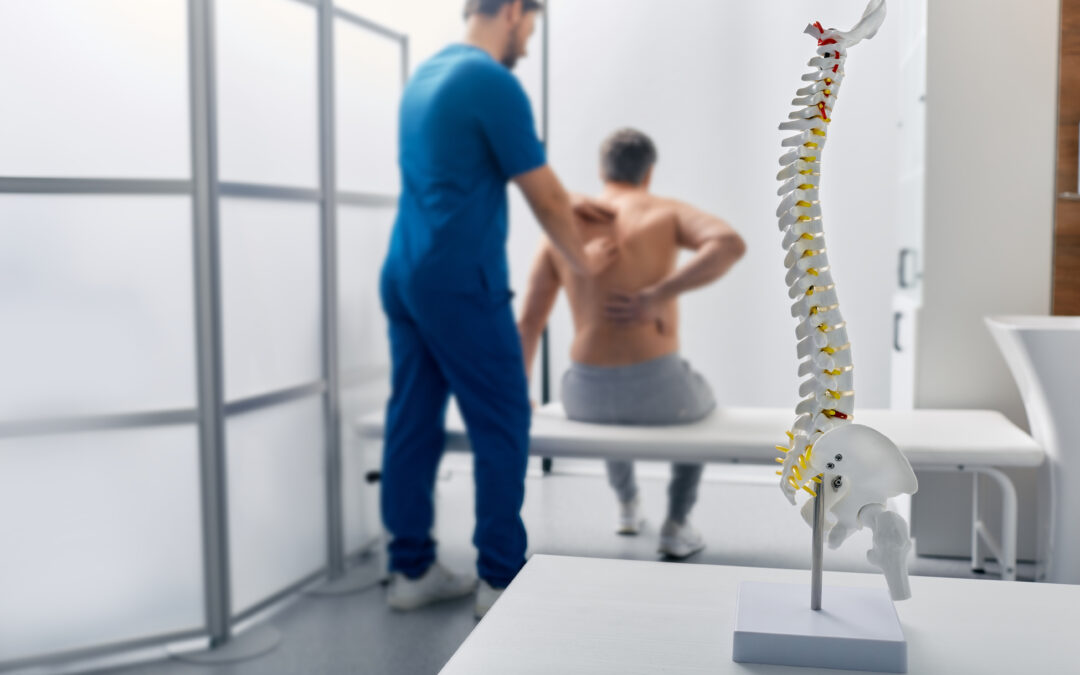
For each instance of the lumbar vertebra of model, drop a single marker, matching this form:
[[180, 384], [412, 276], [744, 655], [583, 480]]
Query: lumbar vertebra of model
[[855, 468]]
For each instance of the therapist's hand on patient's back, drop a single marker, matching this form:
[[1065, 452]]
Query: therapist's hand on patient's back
[[555, 210], [591, 211], [600, 253]]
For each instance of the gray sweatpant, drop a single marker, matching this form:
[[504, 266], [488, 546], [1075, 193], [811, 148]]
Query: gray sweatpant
[[663, 391]]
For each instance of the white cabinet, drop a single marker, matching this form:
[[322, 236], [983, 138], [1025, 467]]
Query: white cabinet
[[910, 16]]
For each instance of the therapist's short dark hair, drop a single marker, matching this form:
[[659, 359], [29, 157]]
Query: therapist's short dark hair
[[492, 7], [626, 157]]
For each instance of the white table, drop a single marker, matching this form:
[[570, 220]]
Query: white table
[[563, 616]]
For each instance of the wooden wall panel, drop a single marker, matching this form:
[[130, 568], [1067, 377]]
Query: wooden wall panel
[[1066, 294], [1068, 132], [1067, 258]]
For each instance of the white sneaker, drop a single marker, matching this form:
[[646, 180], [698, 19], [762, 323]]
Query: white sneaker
[[486, 595], [435, 585], [630, 521], [680, 541]]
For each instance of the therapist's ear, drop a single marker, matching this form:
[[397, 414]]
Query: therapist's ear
[[515, 11]]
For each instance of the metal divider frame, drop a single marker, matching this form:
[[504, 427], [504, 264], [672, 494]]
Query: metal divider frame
[[335, 524], [546, 463], [205, 189], [340, 579], [222, 647]]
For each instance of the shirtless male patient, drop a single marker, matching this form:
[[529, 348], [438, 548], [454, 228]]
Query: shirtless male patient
[[625, 363]]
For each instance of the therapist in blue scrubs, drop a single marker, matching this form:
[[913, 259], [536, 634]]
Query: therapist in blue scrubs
[[466, 130]]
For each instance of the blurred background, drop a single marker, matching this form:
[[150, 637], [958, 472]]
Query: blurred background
[[196, 197]]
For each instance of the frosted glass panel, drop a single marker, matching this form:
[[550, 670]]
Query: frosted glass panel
[[96, 305], [360, 499], [270, 295], [94, 88], [277, 502], [375, 10], [101, 539], [363, 237], [267, 88], [430, 24], [367, 70]]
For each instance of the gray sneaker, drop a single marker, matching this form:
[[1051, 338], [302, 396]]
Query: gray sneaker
[[436, 585]]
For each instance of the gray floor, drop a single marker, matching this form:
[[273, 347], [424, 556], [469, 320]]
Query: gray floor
[[740, 512]]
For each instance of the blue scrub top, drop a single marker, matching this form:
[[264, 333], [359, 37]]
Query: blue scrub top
[[466, 129]]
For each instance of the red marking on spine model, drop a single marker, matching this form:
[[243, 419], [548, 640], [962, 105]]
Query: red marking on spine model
[[822, 31]]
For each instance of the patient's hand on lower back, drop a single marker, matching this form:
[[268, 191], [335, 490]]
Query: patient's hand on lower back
[[644, 306]]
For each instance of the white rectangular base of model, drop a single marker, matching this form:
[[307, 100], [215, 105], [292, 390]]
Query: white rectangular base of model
[[855, 629]]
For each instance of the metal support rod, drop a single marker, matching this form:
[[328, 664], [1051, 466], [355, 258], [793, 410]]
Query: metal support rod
[[545, 337], [365, 198], [261, 191], [977, 556], [545, 368], [335, 517], [341, 579], [74, 424], [1009, 517], [545, 37], [214, 484], [94, 186], [367, 24], [989, 540], [208, 323], [1009, 508], [100, 653], [817, 556]]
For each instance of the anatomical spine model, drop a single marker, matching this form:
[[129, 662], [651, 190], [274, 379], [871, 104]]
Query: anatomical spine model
[[856, 468]]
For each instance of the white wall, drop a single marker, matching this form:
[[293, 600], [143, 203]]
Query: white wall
[[989, 228], [990, 190], [710, 81]]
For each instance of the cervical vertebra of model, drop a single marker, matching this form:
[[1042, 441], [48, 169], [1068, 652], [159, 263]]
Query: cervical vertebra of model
[[857, 468]]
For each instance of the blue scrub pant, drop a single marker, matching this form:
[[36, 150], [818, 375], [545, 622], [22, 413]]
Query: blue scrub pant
[[467, 344]]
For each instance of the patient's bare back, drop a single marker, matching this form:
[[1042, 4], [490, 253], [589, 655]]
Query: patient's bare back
[[646, 233]]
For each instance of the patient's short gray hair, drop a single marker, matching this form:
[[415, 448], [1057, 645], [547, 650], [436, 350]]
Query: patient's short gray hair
[[626, 156], [492, 7]]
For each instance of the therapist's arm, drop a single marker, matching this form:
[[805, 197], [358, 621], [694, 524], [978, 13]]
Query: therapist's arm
[[540, 297], [553, 208]]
